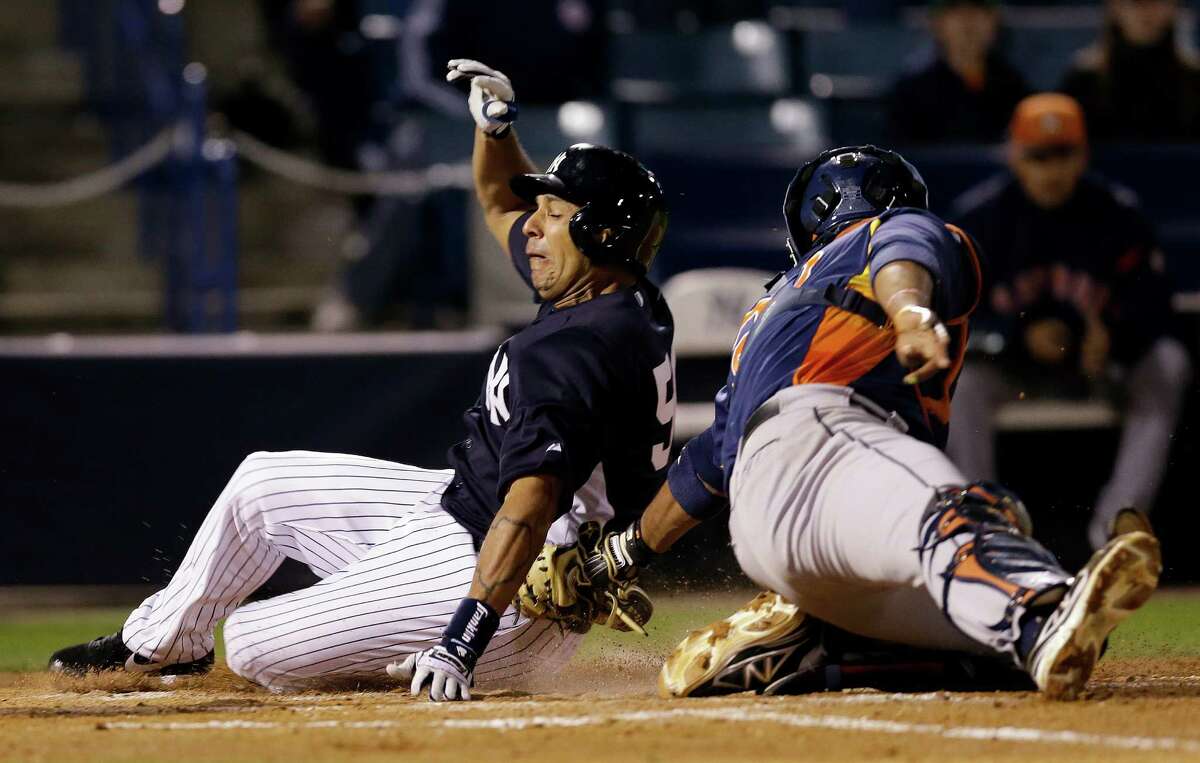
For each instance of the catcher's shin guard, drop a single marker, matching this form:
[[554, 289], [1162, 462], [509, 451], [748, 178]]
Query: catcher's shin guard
[[983, 567], [751, 650]]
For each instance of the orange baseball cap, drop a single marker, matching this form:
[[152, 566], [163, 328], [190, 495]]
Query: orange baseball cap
[[1048, 119]]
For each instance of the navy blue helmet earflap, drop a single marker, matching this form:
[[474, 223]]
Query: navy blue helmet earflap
[[842, 186]]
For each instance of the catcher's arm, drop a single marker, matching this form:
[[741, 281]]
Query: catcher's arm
[[665, 521], [905, 289], [621, 554], [596, 579]]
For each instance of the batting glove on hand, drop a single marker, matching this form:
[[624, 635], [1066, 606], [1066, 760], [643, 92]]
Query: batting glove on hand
[[616, 556], [492, 103], [452, 678]]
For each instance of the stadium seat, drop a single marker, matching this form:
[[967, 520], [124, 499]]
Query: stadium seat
[[748, 57], [708, 305], [769, 126], [860, 61]]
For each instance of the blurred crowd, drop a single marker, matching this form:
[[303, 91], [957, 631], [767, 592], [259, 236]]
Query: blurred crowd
[[1081, 297], [370, 71], [1078, 306], [1137, 83], [1080, 303]]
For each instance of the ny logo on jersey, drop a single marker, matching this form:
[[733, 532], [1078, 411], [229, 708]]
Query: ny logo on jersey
[[497, 385]]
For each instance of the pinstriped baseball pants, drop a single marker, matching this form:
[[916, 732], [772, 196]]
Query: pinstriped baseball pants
[[393, 567]]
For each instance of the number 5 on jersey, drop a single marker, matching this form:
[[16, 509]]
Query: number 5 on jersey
[[664, 381]]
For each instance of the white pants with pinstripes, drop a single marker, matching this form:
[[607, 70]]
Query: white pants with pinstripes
[[393, 567]]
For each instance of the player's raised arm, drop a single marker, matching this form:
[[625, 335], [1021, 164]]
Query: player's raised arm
[[497, 156]]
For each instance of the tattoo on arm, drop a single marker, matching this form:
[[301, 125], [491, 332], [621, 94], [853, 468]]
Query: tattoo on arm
[[514, 540], [517, 551]]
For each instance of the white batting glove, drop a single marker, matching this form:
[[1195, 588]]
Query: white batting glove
[[451, 678], [492, 103]]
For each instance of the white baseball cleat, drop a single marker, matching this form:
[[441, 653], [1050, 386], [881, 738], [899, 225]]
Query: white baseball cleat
[[1118, 579], [750, 650]]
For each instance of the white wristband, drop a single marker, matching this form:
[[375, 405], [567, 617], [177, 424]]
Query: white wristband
[[929, 321], [926, 315]]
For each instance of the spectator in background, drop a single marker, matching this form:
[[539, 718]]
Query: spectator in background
[[367, 94], [1079, 298], [325, 57], [1136, 83], [968, 91]]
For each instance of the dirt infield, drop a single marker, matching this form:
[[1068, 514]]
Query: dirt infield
[[602, 709]]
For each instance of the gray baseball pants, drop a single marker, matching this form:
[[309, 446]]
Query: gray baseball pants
[[828, 499]]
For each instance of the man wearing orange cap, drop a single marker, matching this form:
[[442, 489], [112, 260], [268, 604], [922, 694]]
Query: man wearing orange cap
[[1079, 302]]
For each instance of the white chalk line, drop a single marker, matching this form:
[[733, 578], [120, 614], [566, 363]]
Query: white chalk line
[[849, 697], [880, 698], [1015, 734], [1147, 682], [136, 696]]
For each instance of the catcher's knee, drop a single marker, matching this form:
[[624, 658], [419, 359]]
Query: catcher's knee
[[989, 531], [982, 501]]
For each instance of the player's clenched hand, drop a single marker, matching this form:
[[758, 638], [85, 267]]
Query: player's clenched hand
[[922, 343], [492, 102], [449, 677], [616, 556]]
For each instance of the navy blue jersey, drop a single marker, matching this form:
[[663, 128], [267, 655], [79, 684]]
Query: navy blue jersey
[[786, 339], [1060, 263], [585, 392]]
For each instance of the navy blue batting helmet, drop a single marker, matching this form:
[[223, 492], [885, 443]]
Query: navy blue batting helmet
[[843, 185], [623, 214]]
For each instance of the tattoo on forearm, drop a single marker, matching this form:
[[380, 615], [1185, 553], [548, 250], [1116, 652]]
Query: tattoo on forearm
[[509, 558]]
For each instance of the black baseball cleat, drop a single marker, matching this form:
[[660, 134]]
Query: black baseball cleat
[[110, 653]]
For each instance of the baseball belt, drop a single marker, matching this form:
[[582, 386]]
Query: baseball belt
[[773, 407]]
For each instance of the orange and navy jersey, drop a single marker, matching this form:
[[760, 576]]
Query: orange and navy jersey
[[820, 324]]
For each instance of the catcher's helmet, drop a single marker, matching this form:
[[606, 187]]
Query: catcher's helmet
[[623, 214], [843, 185]]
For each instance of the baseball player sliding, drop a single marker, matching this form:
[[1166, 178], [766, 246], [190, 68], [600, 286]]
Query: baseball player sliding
[[418, 568], [828, 441]]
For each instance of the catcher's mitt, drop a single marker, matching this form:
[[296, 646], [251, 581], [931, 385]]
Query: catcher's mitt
[[558, 588]]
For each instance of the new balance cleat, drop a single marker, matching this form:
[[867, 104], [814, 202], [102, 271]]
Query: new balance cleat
[[1118, 579], [754, 649]]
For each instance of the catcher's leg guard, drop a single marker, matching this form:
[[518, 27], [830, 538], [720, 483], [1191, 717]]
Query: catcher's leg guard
[[983, 568], [764, 641]]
